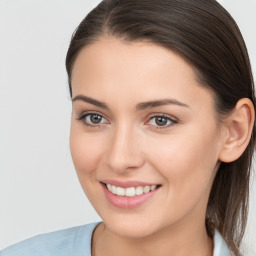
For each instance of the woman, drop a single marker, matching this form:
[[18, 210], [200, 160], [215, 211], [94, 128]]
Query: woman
[[162, 131]]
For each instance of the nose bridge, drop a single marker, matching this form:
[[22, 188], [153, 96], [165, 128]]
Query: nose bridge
[[124, 151]]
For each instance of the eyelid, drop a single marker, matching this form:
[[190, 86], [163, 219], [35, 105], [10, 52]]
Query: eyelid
[[91, 112]]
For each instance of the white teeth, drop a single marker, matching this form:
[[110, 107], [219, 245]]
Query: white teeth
[[153, 187], [139, 191], [146, 189], [120, 191], [113, 190], [130, 192], [109, 187]]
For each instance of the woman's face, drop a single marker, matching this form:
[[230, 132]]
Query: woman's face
[[142, 124]]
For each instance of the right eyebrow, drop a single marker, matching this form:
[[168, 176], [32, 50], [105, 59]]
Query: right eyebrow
[[91, 101]]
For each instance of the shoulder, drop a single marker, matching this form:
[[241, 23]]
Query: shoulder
[[63, 242]]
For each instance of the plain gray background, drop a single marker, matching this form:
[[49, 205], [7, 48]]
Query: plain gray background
[[39, 190]]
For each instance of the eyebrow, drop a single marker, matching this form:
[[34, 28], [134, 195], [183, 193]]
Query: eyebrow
[[91, 101], [139, 107], [157, 103]]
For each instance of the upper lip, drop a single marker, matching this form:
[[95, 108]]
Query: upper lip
[[128, 184]]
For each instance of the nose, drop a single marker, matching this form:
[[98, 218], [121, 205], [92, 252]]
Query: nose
[[124, 151]]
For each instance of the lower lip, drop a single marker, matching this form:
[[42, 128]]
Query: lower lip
[[126, 202]]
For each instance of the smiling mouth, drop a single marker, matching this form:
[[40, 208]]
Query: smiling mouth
[[131, 191]]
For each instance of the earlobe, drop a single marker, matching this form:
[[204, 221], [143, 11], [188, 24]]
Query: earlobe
[[239, 124]]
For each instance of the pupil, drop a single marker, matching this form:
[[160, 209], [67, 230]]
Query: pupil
[[161, 121], [95, 119]]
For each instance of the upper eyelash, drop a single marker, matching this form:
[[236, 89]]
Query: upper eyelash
[[174, 121]]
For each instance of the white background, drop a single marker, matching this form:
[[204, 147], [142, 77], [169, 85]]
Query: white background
[[39, 190]]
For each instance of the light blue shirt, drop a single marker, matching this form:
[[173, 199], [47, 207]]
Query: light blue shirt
[[76, 242]]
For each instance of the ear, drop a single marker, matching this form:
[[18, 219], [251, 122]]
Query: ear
[[239, 129]]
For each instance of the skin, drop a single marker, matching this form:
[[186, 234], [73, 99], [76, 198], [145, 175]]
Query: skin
[[181, 156]]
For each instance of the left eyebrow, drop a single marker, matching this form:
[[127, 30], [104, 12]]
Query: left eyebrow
[[157, 103], [91, 101]]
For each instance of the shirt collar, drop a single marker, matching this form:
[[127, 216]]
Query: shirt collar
[[220, 246]]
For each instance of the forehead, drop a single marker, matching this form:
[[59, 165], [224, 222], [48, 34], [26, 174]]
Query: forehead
[[108, 53], [134, 70]]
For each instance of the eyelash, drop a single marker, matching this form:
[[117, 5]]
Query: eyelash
[[83, 117]]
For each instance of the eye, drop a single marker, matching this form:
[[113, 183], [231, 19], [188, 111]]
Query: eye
[[161, 121], [92, 119]]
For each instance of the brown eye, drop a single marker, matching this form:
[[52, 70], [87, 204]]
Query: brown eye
[[95, 119], [161, 121]]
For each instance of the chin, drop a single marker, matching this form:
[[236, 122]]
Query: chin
[[130, 229]]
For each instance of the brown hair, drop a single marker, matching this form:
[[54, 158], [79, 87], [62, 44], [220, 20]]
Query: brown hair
[[207, 37]]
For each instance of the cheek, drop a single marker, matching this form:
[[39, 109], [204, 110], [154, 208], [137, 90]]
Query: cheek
[[186, 164], [85, 150], [186, 160]]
